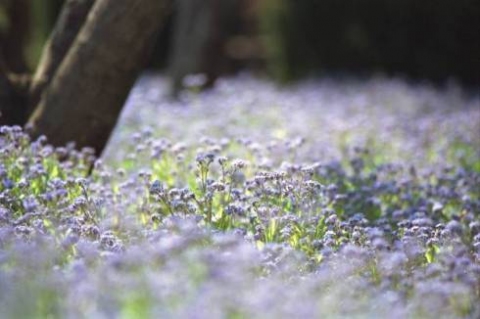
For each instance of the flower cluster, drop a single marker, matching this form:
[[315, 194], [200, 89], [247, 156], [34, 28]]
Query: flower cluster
[[230, 208]]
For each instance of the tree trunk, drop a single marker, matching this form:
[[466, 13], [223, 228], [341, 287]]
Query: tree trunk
[[192, 32], [85, 97], [203, 31], [71, 19]]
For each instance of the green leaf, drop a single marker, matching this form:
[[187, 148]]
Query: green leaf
[[431, 253]]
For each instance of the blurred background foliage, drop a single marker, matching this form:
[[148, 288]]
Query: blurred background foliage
[[421, 39], [428, 39], [26, 24]]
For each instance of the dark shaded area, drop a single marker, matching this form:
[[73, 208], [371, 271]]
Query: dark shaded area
[[14, 32], [426, 39], [13, 98], [420, 39], [161, 45]]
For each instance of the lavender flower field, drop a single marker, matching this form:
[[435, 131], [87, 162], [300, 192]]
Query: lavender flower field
[[327, 199]]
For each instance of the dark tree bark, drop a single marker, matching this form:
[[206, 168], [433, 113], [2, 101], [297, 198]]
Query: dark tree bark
[[71, 19], [88, 90]]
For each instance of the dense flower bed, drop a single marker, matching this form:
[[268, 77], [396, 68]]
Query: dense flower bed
[[328, 200]]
